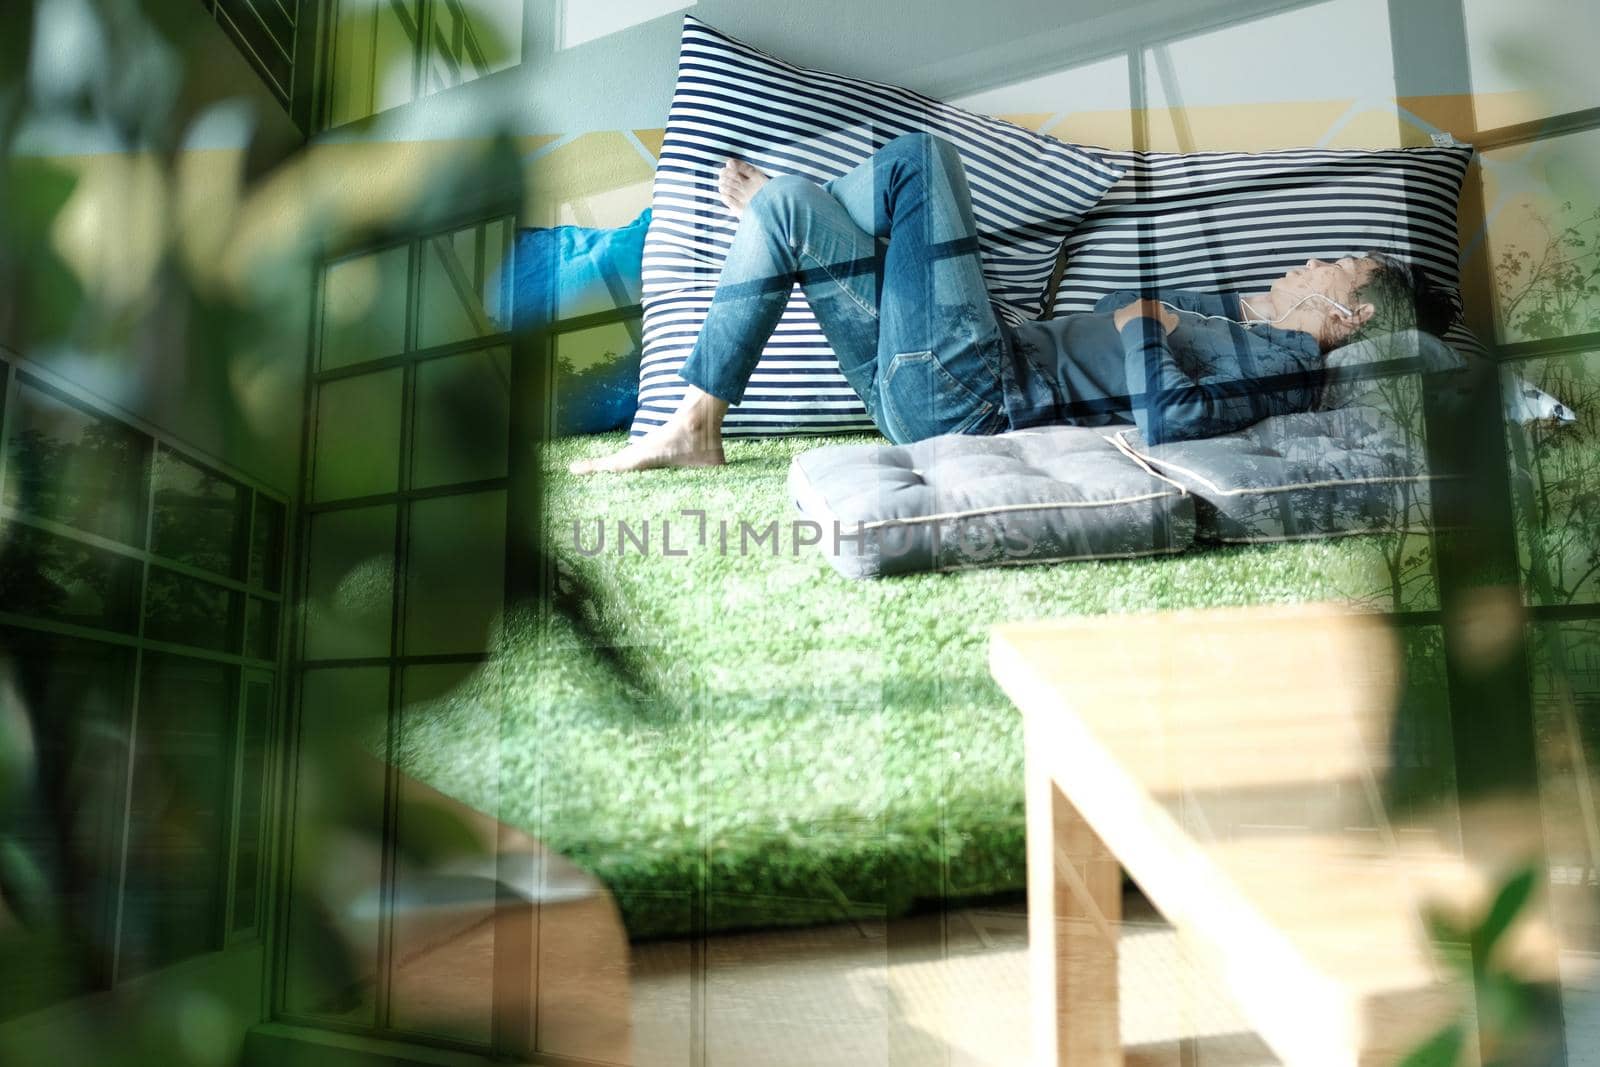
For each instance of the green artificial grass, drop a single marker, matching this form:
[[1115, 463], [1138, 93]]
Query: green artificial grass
[[788, 745]]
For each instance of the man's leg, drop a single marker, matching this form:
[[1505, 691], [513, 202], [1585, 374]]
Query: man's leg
[[793, 231], [895, 237], [790, 231], [939, 344], [932, 364]]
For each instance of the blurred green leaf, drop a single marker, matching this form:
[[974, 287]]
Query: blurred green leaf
[[16, 745], [37, 191], [47, 294], [23, 885], [1502, 1004], [1508, 904], [181, 330], [15, 44], [1443, 1049]]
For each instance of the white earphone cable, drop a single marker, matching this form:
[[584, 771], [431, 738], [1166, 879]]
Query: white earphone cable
[[1250, 310]]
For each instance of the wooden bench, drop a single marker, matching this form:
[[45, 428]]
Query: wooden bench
[[1232, 763]]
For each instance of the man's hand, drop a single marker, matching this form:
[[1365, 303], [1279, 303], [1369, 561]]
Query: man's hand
[[1146, 309]]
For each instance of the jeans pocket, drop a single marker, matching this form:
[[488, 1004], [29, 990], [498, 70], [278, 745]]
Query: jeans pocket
[[919, 398]]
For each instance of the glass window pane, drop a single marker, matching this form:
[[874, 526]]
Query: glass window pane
[[497, 236], [261, 629], [335, 900], [350, 588], [582, 21], [1244, 88], [199, 515], [181, 610], [50, 577], [178, 820], [1097, 93], [586, 351], [471, 39], [72, 700], [1544, 233], [364, 308], [77, 468], [264, 34], [358, 437], [1532, 59], [455, 574], [451, 307], [463, 285], [373, 59], [266, 544], [255, 727], [441, 979], [463, 418], [394, 55], [1555, 482], [596, 381]]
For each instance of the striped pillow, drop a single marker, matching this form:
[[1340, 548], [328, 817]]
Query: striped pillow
[[1235, 221], [1028, 192]]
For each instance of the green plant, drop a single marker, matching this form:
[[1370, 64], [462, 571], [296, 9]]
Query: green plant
[[185, 294], [1515, 1021]]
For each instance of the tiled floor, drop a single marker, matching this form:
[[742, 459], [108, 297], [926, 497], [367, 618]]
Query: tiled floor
[[926, 991], [950, 991]]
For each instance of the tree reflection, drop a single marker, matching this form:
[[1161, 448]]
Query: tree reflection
[[1556, 487], [1551, 289], [88, 479]]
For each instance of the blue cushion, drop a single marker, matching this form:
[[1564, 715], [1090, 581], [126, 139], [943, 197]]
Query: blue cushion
[[563, 273]]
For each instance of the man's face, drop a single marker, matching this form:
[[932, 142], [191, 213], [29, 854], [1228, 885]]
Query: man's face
[[1337, 279]]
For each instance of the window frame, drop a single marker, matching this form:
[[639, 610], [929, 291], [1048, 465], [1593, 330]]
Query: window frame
[[16, 370], [412, 357], [319, 108]]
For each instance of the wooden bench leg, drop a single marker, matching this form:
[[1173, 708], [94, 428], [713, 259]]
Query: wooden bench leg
[[1074, 909]]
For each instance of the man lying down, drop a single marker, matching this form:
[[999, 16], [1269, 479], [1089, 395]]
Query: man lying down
[[888, 258]]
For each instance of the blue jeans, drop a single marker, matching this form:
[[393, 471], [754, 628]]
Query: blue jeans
[[888, 258]]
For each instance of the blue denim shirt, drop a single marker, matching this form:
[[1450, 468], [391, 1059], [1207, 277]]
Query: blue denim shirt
[[1208, 377]]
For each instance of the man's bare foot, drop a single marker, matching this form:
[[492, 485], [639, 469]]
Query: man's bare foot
[[692, 437], [738, 184]]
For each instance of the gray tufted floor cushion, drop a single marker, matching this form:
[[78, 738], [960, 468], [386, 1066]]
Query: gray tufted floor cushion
[[1073, 493], [1356, 469], [1357, 464], [1030, 496]]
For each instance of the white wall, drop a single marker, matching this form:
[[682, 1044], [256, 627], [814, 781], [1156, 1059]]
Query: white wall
[[1543, 50], [611, 66]]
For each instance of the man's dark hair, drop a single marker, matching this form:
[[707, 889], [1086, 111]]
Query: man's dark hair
[[1403, 298]]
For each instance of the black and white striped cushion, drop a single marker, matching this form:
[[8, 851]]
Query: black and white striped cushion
[[1235, 221], [1028, 192]]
